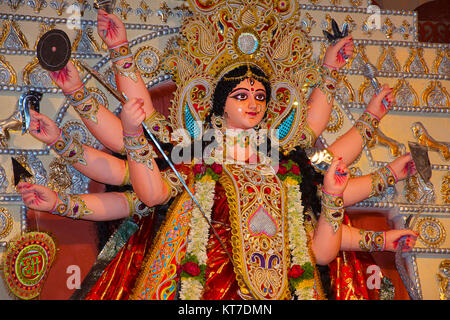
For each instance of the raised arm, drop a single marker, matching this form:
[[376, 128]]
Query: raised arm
[[320, 104], [321, 99], [145, 176], [101, 122], [326, 239], [128, 79], [93, 163]]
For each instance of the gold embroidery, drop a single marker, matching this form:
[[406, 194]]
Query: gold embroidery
[[259, 227]]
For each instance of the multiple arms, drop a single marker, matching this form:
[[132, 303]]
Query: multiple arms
[[126, 133]]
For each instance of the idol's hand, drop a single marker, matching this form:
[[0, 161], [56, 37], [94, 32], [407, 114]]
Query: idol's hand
[[393, 238], [111, 29], [334, 56], [376, 106], [132, 115], [37, 197], [67, 78], [336, 178], [403, 166], [43, 128]]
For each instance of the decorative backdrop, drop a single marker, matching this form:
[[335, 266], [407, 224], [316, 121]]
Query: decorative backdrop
[[419, 72]]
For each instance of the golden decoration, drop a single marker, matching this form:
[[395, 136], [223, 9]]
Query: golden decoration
[[89, 36], [59, 178], [148, 61], [310, 22], [6, 67], [445, 188], [424, 138], [100, 96], [396, 148], [436, 96], [32, 67], [431, 232], [124, 8], [404, 94], [388, 28], [366, 92], [43, 28], [358, 59], [143, 10], [259, 224], [443, 278], [406, 26], [388, 55], [6, 223], [442, 61], [416, 56], [37, 5], [412, 189], [328, 18], [336, 120], [14, 4], [12, 26], [345, 91], [355, 3], [351, 23], [220, 40]]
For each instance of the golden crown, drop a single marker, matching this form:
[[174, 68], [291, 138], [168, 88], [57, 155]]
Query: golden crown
[[222, 35]]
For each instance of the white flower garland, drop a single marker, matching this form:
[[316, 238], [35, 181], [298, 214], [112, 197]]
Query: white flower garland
[[298, 242], [191, 288]]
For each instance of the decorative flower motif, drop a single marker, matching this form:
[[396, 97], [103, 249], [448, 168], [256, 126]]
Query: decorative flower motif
[[216, 168], [199, 169], [191, 268], [295, 272]]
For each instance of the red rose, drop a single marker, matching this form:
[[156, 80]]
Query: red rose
[[282, 170], [295, 170], [199, 169], [191, 268], [296, 271], [216, 168]]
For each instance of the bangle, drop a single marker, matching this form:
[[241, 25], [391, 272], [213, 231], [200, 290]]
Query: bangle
[[84, 103], [366, 126], [56, 203], [57, 138], [372, 241], [71, 206], [117, 45], [136, 207], [327, 65], [71, 92], [393, 173], [69, 148], [382, 179], [133, 135], [333, 209], [139, 150]]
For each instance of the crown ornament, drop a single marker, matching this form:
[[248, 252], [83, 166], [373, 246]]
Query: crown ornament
[[222, 35]]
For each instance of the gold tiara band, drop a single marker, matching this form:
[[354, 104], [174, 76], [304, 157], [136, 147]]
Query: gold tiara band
[[248, 75]]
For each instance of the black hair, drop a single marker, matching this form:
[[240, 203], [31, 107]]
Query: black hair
[[226, 85]]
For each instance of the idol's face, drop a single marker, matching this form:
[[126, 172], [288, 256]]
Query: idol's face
[[245, 105]]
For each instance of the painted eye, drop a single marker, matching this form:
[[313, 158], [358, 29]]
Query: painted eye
[[260, 97], [240, 96]]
